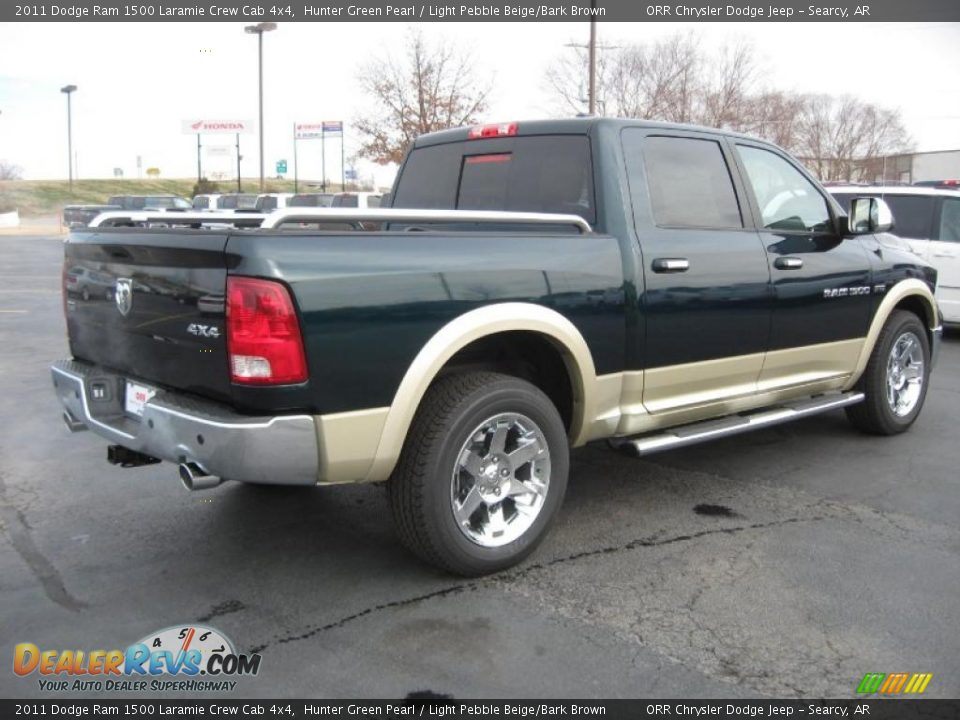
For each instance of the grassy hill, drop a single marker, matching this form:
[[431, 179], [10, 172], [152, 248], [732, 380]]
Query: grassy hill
[[47, 197]]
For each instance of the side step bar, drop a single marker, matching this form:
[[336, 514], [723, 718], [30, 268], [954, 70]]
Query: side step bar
[[735, 424]]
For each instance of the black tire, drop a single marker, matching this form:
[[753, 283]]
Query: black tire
[[875, 415], [420, 487]]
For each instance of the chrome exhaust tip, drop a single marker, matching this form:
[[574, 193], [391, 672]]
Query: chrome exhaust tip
[[193, 477], [73, 425]]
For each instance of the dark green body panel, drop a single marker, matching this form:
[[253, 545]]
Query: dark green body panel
[[369, 302]]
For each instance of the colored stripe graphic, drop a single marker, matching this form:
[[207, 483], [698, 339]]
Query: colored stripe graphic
[[894, 683]]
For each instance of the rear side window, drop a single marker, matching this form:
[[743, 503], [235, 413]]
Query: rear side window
[[267, 203], [912, 215], [950, 221], [689, 183], [549, 173]]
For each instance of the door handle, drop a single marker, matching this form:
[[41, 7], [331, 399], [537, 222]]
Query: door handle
[[670, 265], [788, 263]]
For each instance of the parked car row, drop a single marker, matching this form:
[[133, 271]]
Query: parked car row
[[81, 215], [266, 202]]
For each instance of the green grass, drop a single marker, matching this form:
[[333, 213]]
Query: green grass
[[47, 197]]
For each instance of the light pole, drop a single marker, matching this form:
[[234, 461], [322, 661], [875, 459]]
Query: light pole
[[68, 90], [259, 29]]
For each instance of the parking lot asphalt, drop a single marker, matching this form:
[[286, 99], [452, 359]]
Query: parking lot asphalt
[[784, 563]]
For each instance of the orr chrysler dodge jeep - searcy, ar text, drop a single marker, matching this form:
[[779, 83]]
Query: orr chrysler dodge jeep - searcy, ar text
[[535, 286]]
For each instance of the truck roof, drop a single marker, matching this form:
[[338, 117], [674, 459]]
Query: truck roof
[[571, 126]]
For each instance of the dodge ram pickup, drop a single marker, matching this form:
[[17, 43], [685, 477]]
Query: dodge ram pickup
[[534, 287]]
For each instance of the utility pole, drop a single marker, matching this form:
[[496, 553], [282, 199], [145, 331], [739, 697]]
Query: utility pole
[[592, 47], [592, 96]]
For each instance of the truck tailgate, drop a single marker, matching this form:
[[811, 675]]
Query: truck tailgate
[[149, 304]]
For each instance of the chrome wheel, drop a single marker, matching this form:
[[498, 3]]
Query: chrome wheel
[[905, 374], [501, 480]]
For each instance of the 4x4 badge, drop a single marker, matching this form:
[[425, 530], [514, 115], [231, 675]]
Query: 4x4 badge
[[124, 295]]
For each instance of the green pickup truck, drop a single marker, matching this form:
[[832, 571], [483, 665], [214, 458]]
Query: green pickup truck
[[534, 287]]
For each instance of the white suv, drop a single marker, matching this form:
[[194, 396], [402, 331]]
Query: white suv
[[929, 220]]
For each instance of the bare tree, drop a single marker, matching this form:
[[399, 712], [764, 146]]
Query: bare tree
[[671, 79], [9, 171], [428, 88], [842, 138], [676, 80]]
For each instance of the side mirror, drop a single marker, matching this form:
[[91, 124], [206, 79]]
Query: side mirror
[[869, 215]]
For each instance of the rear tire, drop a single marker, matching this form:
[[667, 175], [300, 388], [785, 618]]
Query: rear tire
[[482, 473], [896, 378]]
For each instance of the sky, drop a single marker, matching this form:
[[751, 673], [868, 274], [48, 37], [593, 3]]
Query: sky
[[137, 82]]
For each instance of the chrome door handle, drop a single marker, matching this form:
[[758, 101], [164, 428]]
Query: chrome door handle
[[788, 263], [670, 265]]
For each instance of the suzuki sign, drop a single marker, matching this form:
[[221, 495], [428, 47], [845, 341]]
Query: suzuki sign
[[213, 127]]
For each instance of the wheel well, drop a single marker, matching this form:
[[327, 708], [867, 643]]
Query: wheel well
[[918, 306], [531, 356]]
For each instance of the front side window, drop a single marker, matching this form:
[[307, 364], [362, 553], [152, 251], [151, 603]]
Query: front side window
[[950, 221], [689, 183], [787, 200], [201, 203]]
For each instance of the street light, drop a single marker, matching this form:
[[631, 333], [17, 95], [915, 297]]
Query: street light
[[68, 90], [259, 29]]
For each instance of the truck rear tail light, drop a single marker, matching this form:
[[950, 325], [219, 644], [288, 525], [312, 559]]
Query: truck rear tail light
[[263, 334], [490, 131]]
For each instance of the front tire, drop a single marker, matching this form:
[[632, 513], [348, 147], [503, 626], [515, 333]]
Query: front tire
[[896, 378], [482, 473]]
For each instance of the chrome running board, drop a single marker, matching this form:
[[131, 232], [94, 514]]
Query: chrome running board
[[735, 424]]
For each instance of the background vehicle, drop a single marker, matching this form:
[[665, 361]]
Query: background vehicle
[[462, 361], [928, 219], [81, 215], [206, 202], [951, 184], [272, 201], [356, 200], [311, 200], [237, 201]]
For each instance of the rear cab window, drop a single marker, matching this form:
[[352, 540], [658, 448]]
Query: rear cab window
[[536, 173]]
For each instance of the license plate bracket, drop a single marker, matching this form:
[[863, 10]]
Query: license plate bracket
[[136, 397]]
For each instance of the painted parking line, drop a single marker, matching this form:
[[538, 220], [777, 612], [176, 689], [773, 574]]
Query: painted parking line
[[14, 312]]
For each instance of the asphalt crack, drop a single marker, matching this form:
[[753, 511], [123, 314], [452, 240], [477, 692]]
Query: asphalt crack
[[515, 575], [21, 537]]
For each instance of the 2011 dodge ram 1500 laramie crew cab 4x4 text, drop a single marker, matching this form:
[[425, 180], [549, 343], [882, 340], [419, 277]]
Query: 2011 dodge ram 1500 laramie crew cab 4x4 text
[[536, 286]]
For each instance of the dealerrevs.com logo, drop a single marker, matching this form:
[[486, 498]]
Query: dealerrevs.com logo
[[188, 658]]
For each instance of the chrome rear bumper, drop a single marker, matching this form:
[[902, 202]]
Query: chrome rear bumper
[[181, 429]]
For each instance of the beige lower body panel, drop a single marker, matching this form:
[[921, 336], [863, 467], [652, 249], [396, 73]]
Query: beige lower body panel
[[632, 402], [348, 443], [637, 402]]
